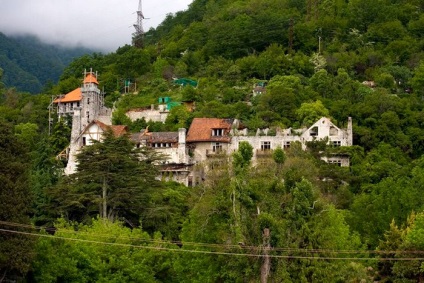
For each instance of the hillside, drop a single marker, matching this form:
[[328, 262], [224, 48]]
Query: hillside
[[289, 216], [30, 64]]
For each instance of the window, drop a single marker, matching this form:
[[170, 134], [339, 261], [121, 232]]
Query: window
[[335, 162], [265, 145], [72, 106], [161, 144], [217, 147], [286, 144], [217, 132], [314, 131], [88, 100], [333, 131], [336, 143], [84, 141], [88, 115], [78, 104]]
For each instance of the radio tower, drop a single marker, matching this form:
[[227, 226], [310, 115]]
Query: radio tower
[[138, 35]]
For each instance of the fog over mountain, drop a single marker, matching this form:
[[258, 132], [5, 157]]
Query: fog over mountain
[[98, 24]]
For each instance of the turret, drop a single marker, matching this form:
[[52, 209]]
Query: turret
[[92, 98]]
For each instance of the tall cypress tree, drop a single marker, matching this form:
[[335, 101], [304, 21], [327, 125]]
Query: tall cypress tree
[[15, 202]]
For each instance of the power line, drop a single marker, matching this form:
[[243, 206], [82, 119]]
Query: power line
[[259, 249]]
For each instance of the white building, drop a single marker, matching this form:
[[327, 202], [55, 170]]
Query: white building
[[210, 136], [85, 105]]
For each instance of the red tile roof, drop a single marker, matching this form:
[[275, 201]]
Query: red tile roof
[[201, 130], [72, 96], [91, 78]]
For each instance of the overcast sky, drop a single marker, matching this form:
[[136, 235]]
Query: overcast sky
[[100, 24]]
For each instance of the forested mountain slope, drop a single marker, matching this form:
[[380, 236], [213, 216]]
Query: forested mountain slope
[[357, 58], [29, 64]]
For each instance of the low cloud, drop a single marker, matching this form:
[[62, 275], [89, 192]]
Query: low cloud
[[100, 24]]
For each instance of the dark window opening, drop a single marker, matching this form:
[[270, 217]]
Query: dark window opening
[[266, 145], [217, 147], [217, 132], [336, 143], [314, 131], [333, 131]]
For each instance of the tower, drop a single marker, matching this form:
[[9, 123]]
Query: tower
[[85, 105], [92, 98], [138, 35]]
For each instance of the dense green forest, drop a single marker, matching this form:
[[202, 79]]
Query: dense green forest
[[326, 223], [29, 64]]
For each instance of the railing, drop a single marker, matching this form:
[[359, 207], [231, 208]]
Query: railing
[[210, 152], [263, 152]]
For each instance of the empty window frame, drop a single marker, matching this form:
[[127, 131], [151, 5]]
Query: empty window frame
[[313, 131], [335, 162], [334, 131], [217, 132], [265, 145], [216, 147], [336, 143]]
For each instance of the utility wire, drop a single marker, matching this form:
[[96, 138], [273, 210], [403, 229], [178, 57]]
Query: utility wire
[[252, 248], [211, 252]]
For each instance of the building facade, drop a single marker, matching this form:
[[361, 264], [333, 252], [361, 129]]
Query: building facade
[[84, 105]]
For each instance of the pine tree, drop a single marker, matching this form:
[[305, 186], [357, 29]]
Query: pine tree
[[113, 179]]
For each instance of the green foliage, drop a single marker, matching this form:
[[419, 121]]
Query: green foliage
[[242, 157], [178, 117], [314, 59], [113, 180], [310, 112], [15, 201], [60, 136], [279, 157], [102, 252], [27, 134]]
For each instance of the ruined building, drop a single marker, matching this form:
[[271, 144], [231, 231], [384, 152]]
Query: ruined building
[[206, 139], [84, 105]]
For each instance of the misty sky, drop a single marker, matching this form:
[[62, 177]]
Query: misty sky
[[99, 24]]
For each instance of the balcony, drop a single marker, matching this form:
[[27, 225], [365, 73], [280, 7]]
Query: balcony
[[216, 152], [263, 153]]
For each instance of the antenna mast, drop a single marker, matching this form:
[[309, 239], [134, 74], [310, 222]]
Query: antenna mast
[[138, 35]]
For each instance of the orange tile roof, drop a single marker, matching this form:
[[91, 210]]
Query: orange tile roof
[[72, 96], [91, 78], [201, 130]]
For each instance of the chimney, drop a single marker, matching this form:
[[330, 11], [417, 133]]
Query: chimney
[[182, 152], [182, 136], [349, 132]]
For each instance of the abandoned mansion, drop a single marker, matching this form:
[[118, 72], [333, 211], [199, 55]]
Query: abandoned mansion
[[206, 139]]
